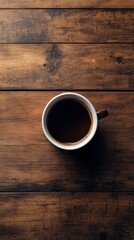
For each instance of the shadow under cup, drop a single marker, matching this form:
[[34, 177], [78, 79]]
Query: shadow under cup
[[69, 121]]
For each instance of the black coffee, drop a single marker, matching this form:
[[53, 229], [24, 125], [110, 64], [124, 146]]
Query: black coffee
[[68, 121]]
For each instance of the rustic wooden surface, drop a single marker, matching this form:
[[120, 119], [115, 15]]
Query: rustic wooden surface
[[67, 66], [66, 4], [66, 25], [70, 216], [46, 193], [29, 162]]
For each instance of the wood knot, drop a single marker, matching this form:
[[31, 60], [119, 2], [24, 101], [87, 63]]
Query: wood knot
[[119, 60], [54, 57], [55, 52]]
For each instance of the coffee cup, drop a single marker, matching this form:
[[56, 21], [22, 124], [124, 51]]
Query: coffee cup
[[70, 121]]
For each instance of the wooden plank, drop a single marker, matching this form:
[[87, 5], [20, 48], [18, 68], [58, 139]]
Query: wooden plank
[[66, 25], [66, 4], [67, 66], [93, 216], [30, 163]]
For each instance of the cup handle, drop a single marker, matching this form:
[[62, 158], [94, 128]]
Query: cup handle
[[102, 114]]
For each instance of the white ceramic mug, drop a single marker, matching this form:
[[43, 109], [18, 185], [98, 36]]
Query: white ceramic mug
[[95, 116]]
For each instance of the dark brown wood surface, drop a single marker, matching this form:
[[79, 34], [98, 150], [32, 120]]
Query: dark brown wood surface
[[47, 193], [70, 216], [66, 25], [30, 163], [66, 4], [67, 66]]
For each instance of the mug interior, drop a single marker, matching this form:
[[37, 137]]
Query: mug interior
[[92, 114]]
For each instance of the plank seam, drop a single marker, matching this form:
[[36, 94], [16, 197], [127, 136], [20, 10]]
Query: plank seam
[[67, 43], [72, 90], [84, 8], [59, 192]]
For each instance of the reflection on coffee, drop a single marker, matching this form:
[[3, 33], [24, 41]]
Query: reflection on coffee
[[68, 121]]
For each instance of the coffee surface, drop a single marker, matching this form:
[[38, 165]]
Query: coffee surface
[[68, 121]]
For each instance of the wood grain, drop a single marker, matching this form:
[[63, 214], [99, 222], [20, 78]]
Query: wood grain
[[66, 4], [30, 163], [66, 25], [67, 216], [67, 66]]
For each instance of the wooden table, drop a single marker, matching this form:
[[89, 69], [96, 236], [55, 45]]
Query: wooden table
[[48, 47]]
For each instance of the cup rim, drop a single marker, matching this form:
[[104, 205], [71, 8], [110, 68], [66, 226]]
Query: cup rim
[[81, 99]]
